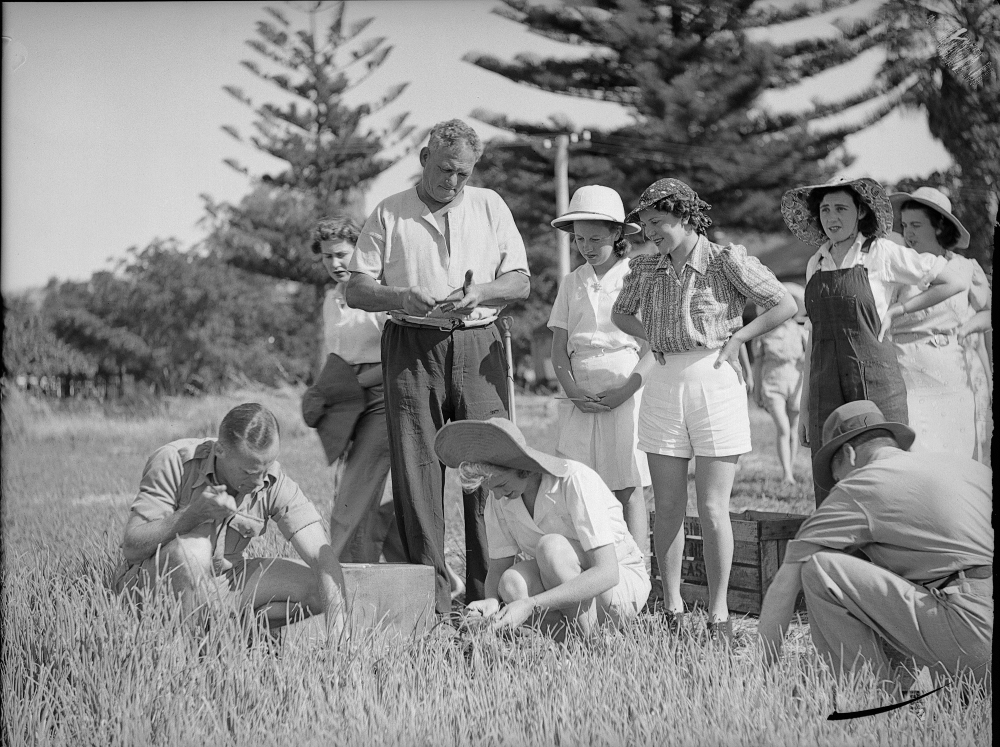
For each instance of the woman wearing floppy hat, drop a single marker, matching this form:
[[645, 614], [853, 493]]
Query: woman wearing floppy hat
[[850, 286], [594, 360], [690, 297], [558, 544], [941, 351]]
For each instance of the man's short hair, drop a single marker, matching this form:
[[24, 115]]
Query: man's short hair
[[451, 133], [875, 434], [251, 425], [328, 229]]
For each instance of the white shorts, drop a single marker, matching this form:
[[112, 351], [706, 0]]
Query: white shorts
[[690, 408]]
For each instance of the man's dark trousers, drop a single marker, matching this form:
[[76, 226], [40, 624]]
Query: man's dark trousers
[[433, 376]]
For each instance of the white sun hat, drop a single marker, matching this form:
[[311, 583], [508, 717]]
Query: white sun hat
[[936, 200], [595, 202]]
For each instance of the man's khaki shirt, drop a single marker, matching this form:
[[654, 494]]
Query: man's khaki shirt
[[179, 470]]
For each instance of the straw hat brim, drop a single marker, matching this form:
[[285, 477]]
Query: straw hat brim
[[565, 222], [823, 474], [493, 442], [800, 221], [896, 199]]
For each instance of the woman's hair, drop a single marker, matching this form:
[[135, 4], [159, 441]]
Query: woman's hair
[[689, 210], [472, 475], [329, 229], [946, 231], [867, 223], [251, 425]]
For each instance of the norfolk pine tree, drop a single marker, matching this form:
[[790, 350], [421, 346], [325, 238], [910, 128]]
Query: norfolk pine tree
[[329, 158]]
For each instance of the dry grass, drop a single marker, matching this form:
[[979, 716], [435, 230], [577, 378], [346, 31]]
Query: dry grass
[[79, 667]]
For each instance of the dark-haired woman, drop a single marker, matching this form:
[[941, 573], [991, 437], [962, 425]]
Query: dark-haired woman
[[941, 349], [850, 286], [687, 301]]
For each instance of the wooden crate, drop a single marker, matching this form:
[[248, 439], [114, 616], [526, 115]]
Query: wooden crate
[[759, 540]]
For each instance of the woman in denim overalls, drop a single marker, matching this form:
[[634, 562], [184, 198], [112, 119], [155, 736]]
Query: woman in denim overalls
[[849, 290]]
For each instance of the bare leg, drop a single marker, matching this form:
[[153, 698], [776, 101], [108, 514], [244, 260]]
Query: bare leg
[[524, 580], [776, 406], [713, 481], [636, 518], [670, 493], [793, 425], [280, 590]]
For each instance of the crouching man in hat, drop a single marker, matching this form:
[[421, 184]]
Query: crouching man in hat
[[560, 551], [201, 501], [923, 521]]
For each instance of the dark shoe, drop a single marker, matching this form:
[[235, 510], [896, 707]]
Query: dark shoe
[[721, 632], [677, 622]]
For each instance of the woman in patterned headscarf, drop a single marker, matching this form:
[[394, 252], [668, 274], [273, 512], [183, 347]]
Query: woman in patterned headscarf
[[851, 282]]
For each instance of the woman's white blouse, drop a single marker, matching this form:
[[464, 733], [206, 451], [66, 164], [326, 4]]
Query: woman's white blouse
[[889, 265], [579, 506], [583, 308]]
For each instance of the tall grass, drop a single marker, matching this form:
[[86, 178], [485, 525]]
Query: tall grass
[[81, 666]]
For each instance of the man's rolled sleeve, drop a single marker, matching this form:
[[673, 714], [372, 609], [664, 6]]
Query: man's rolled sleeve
[[755, 281], [291, 509], [513, 256], [159, 488], [369, 252], [839, 524]]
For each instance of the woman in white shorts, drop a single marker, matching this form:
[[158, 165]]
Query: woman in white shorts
[[690, 298], [558, 544]]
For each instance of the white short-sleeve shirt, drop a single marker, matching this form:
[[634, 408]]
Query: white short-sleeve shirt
[[889, 266], [353, 334], [403, 244], [579, 506], [583, 308]]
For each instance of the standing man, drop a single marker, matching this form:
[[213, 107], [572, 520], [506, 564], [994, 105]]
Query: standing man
[[201, 501], [923, 521], [443, 259]]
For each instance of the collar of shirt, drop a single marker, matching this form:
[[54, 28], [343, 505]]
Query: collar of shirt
[[697, 259], [431, 216], [544, 502], [853, 257]]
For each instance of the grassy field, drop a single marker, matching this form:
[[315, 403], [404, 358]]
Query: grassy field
[[79, 667]]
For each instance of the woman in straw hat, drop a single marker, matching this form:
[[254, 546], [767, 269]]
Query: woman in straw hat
[[594, 360], [687, 301], [778, 359], [558, 543], [941, 350], [851, 283]]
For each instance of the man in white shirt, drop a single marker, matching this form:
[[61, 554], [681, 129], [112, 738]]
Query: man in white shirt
[[443, 259]]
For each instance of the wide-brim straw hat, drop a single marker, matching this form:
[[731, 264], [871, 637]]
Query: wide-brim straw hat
[[495, 441], [936, 200], [802, 223], [595, 202], [846, 422]]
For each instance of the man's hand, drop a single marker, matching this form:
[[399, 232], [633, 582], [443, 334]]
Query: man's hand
[[804, 428], [463, 300], [211, 503], [418, 301]]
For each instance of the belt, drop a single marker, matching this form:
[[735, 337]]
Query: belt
[[938, 340], [600, 352], [974, 572], [447, 325]]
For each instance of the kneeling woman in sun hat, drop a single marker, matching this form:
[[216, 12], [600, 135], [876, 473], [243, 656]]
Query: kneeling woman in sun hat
[[557, 537], [851, 283]]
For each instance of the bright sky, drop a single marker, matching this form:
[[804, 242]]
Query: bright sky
[[111, 126]]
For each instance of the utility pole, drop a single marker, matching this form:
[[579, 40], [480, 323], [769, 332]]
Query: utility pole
[[562, 191], [562, 200]]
